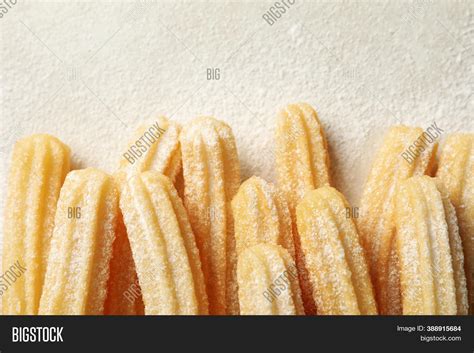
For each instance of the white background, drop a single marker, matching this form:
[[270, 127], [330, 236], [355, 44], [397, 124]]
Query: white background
[[90, 72]]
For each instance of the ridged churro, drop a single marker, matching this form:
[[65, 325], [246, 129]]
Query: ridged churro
[[261, 215], [163, 245], [302, 159], [334, 255], [268, 281], [456, 248], [376, 221], [123, 290], [456, 172], [154, 148], [39, 165], [81, 246], [211, 178], [429, 250], [302, 164]]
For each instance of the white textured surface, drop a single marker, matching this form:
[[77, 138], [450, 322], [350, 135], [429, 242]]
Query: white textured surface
[[363, 66]]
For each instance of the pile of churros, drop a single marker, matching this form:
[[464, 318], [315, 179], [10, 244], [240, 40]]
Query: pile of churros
[[174, 231]]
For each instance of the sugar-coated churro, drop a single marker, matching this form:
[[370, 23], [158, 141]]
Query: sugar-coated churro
[[261, 215], [123, 291], [81, 246], [268, 281], [302, 159], [457, 254], [163, 246], [456, 172], [302, 164], [429, 250], [39, 165], [376, 221], [211, 178], [155, 148], [334, 255]]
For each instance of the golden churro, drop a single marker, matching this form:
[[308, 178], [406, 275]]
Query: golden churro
[[123, 291], [163, 246], [429, 250], [302, 164], [39, 165], [81, 246], [302, 159], [261, 215], [376, 221], [211, 178], [455, 244], [334, 256], [268, 282], [456, 172], [154, 148]]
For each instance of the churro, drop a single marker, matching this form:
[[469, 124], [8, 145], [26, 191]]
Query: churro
[[211, 178], [123, 290], [334, 255], [155, 148], [268, 281], [163, 246], [456, 172], [302, 159], [302, 164], [261, 215], [81, 246], [39, 165], [376, 221], [429, 250]]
